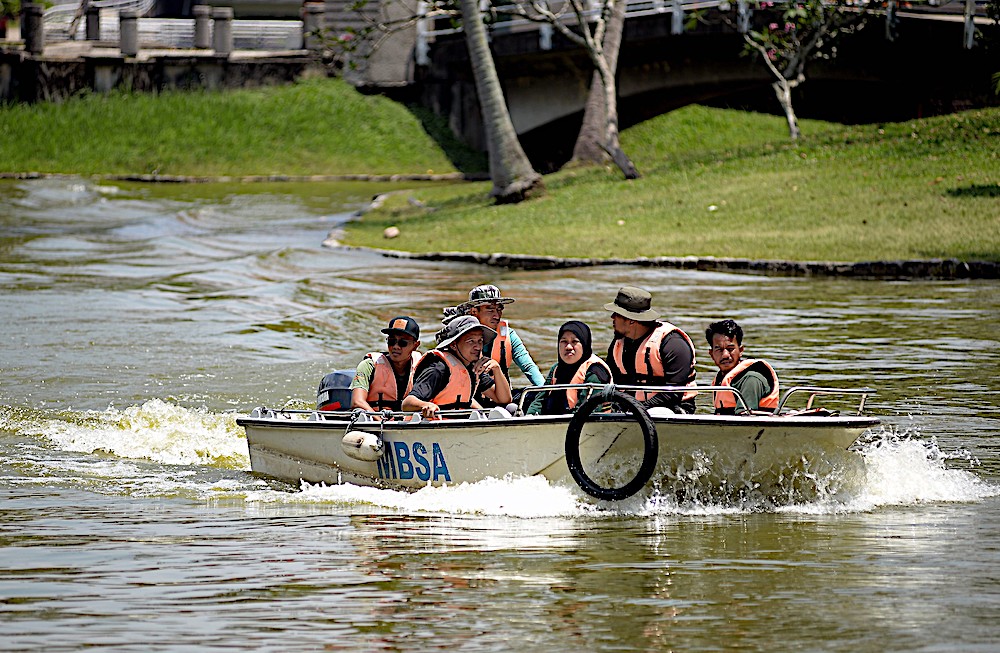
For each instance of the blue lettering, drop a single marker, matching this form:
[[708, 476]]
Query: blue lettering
[[403, 461], [423, 469], [440, 466]]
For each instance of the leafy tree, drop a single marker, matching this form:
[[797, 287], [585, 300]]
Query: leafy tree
[[9, 8], [788, 34]]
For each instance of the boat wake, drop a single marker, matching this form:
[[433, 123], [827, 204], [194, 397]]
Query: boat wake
[[887, 468]]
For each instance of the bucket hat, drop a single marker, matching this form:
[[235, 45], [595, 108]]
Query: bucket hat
[[633, 303], [485, 294], [403, 324], [458, 327]]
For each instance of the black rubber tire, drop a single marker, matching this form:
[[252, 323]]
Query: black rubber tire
[[627, 404]]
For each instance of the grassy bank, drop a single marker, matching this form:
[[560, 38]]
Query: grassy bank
[[715, 182], [730, 184], [317, 127]]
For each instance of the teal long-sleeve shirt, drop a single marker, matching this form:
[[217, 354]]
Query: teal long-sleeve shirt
[[522, 359]]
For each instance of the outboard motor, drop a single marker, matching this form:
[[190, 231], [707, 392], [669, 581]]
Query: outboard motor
[[335, 391]]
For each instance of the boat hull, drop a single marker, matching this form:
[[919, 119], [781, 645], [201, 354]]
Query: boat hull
[[694, 452]]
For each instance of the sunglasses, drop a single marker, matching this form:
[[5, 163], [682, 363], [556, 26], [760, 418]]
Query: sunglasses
[[392, 341]]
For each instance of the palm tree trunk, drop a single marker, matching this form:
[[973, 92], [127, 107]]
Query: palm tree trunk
[[514, 179]]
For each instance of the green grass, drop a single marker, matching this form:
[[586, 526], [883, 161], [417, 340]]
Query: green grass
[[320, 126], [730, 184], [715, 182]]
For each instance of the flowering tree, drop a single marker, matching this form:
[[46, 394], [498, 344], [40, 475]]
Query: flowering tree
[[795, 33]]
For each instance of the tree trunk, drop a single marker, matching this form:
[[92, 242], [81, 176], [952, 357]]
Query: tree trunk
[[783, 91], [606, 65], [589, 147], [513, 177]]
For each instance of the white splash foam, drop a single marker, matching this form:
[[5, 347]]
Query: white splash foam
[[904, 469], [528, 497], [156, 430]]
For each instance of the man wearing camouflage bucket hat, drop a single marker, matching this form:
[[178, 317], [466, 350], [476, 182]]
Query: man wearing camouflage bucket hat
[[455, 374], [487, 305], [649, 351]]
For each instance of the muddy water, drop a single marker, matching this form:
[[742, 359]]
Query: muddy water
[[139, 321]]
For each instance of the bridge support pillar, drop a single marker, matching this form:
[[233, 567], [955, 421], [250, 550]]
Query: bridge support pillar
[[890, 20], [222, 30], [202, 26], [128, 26], [970, 24], [313, 19], [32, 28], [676, 17], [743, 16]]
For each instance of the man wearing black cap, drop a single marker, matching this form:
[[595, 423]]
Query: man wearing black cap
[[648, 351], [383, 378]]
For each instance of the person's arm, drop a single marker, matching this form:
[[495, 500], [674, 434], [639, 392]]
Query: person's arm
[[430, 380], [678, 369], [500, 392], [523, 360], [361, 384], [616, 374], [596, 374], [535, 408]]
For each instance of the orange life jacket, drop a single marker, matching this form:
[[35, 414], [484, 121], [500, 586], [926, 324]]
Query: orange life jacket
[[648, 364], [573, 395], [461, 386], [726, 401], [382, 391], [501, 351]]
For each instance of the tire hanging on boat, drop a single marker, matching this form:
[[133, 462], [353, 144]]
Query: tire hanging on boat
[[650, 453]]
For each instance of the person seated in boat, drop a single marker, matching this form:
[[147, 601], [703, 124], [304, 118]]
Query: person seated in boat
[[455, 374], [505, 347], [755, 379], [384, 378], [649, 351], [577, 364]]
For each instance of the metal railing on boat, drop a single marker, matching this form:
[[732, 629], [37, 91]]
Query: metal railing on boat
[[517, 410]]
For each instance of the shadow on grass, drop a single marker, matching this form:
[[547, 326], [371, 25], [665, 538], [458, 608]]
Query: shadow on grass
[[464, 158], [976, 190]]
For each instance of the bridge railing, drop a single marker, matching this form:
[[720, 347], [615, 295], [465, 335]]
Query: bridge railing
[[971, 11], [63, 22]]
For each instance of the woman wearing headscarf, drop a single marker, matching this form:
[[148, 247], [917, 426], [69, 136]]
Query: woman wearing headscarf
[[577, 364]]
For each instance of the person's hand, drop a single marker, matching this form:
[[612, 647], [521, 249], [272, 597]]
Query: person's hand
[[429, 410], [485, 364]]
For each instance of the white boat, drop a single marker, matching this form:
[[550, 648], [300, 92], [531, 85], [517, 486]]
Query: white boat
[[610, 456]]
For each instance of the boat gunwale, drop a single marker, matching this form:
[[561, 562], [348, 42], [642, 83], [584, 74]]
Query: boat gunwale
[[815, 421]]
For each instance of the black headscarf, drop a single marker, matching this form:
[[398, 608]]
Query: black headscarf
[[555, 401], [565, 371]]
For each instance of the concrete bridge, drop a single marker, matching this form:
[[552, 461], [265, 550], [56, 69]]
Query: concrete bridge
[[924, 68]]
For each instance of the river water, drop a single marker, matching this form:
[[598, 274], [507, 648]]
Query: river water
[[140, 321]]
